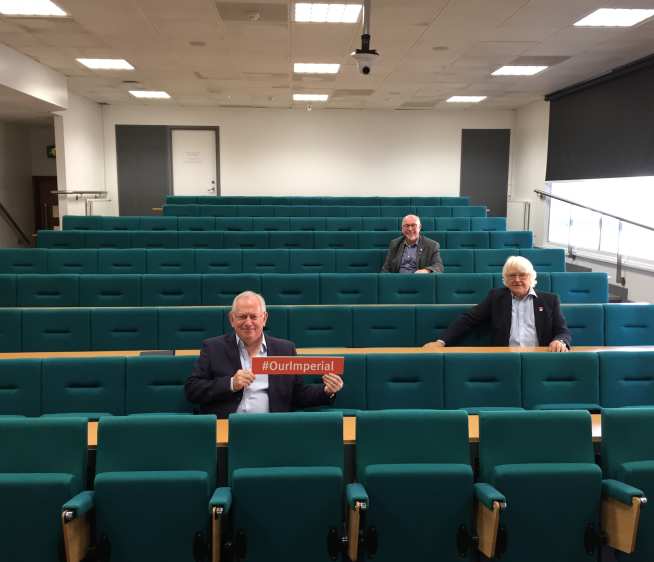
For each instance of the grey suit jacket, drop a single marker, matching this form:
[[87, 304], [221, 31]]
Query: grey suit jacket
[[427, 255]]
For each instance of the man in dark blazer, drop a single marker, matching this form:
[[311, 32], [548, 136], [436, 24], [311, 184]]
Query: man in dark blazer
[[412, 252], [517, 314], [222, 381]]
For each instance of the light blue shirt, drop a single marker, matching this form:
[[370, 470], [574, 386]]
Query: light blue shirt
[[255, 396], [523, 324], [409, 262]]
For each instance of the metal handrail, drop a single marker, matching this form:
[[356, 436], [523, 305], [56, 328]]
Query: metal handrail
[[542, 194], [14, 225]]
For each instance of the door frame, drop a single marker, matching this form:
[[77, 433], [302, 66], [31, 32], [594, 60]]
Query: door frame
[[216, 131]]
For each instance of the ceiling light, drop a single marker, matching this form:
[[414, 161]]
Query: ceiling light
[[30, 8], [614, 17], [465, 99], [106, 64], [327, 13], [518, 70], [315, 68], [310, 97], [153, 94]]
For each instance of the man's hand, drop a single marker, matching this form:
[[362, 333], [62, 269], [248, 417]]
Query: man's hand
[[558, 346], [333, 383], [423, 270], [242, 379], [437, 343]]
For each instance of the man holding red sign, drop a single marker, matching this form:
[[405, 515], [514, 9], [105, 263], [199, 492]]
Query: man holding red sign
[[223, 381]]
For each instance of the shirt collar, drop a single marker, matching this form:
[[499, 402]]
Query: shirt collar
[[411, 245], [263, 348], [531, 293]]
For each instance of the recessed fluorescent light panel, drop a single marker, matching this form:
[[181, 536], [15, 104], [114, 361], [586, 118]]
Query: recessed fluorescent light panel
[[614, 17], [315, 68], [465, 99], [106, 64], [151, 94], [310, 97], [518, 70], [327, 13], [30, 8]]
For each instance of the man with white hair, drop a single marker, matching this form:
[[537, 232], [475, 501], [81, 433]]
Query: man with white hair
[[518, 315], [222, 381]]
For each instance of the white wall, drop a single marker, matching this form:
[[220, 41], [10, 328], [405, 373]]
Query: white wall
[[42, 136], [80, 152], [330, 152], [16, 191]]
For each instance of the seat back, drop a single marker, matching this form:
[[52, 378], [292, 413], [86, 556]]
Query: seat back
[[56, 330], [23, 260], [311, 261], [72, 261], [406, 289], [458, 261], [185, 328], [581, 287], [626, 437], [382, 326], [585, 322], [111, 260], [626, 379], [462, 288], [629, 324], [170, 261], [20, 387], [331, 326]]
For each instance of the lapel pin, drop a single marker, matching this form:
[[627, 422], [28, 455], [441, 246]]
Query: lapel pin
[[540, 309]]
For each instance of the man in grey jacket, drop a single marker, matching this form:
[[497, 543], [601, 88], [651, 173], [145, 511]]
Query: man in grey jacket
[[412, 252]]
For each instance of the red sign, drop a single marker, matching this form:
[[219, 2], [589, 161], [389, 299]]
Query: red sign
[[297, 365]]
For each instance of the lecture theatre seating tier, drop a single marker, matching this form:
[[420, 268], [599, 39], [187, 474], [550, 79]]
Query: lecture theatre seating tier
[[312, 200], [475, 381], [175, 289], [189, 260], [100, 329], [248, 224], [321, 211], [273, 239]]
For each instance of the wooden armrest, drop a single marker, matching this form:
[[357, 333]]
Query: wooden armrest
[[620, 523], [353, 522], [77, 535], [216, 532], [488, 521]]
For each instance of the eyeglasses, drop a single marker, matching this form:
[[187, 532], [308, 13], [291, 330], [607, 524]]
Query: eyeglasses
[[243, 317], [517, 275], [411, 225]]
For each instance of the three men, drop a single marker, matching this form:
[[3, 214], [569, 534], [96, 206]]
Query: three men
[[222, 381], [412, 252]]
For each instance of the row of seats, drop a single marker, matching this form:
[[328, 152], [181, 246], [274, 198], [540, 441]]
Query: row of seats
[[320, 211], [475, 381], [247, 224], [304, 200], [195, 289], [418, 498], [272, 239], [190, 260], [91, 329]]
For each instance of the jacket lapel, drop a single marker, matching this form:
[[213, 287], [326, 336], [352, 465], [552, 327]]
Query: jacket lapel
[[232, 352], [539, 318], [507, 310]]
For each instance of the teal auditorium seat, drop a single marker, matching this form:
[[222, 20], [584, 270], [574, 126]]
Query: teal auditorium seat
[[120, 223], [284, 460], [355, 288], [452, 224], [545, 259], [265, 261], [237, 224], [329, 327], [556, 381], [197, 239], [467, 240], [359, 261], [343, 223], [396, 210], [81, 222], [101, 239], [380, 223], [439, 235], [513, 239], [70, 387], [219, 261], [306, 223], [56, 330], [10, 330], [334, 240], [468, 211], [311, 261], [110, 290], [153, 239], [64, 261], [60, 239], [433, 211], [156, 384], [182, 210], [462, 288], [455, 201], [20, 388], [47, 290], [629, 324], [290, 288], [375, 239], [187, 328], [542, 465], [491, 261], [352, 398], [581, 287], [585, 322], [171, 290], [488, 224], [271, 223], [482, 381], [404, 381], [405, 289], [164, 468], [221, 289], [420, 489], [170, 261], [23, 260], [253, 211], [628, 465], [257, 240], [196, 224], [458, 261], [432, 321], [626, 379], [8, 290], [217, 210], [42, 466], [111, 329], [158, 223], [383, 326]]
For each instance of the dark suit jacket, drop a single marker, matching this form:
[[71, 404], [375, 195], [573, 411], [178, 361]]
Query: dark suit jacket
[[219, 359], [427, 255], [496, 310]]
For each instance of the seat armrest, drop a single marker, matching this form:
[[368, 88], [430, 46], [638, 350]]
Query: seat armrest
[[356, 493], [222, 498], [487, 495], [80, 504], [622, 492]]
